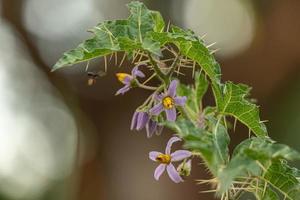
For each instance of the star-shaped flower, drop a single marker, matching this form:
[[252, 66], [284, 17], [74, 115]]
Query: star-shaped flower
[[168, 102], [166, 160]]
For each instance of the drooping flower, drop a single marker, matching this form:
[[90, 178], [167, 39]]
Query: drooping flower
[[128, 80], [153, 127], [166, 160], [168, 102], [141, 119]]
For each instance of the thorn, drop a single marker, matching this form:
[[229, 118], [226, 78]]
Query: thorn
[[152, 76], [87, 66], [214, 51], [105, 64], [168, 26], [116, 58], [135, 55], [141, 57], [111, 55], [166, 60], [208, 191], [186, 66], [203, 36], [225, 123], [234, 125], [124, 56], [261, 166], [194, 68], [264, 121], [210, 45]]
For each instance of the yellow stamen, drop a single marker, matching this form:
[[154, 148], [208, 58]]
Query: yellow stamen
[[168, 102], [121, 76], [163, 158]]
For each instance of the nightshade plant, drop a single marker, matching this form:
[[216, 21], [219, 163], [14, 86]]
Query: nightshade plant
[[258, 165]]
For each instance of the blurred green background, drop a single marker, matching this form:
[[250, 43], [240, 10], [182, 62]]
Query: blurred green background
[[61, 139]]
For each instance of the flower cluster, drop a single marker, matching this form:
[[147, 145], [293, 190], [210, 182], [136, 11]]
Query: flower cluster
[[147, 116]]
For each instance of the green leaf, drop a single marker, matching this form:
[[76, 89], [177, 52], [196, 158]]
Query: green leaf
[[251, 156], [151, 46], [266, 149], [109, 36], [141, 21], [213, 146], [231, 100], [192, 47], [201, 86], [282, 179]]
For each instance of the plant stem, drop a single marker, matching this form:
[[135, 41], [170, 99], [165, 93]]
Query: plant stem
[[146, 87], [163, 77]]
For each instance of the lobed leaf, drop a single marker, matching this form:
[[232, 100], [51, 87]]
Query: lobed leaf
[[231, 100], [279, 180], [109, 36], [252, 156]]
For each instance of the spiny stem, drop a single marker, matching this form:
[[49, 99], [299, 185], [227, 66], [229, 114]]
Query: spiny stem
[[160, 74]]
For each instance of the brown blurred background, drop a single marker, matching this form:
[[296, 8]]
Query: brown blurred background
[[60, 139]]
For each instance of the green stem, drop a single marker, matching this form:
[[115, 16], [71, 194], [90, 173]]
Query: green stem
[[146, 87], [185, 113], [163, 77]]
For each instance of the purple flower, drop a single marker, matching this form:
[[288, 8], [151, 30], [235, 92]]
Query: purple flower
[[128, 80], [168, 102], [166, 160], [141, 119]]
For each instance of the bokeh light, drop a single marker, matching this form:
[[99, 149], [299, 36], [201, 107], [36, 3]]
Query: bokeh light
[[231, 23], [38, 135]]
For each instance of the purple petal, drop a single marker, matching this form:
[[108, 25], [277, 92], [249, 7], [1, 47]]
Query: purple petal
[[123, 90], [173, 174], [170, 142], [151, 128], [142, 120], [159, 97], [127, 80], [137, 73], [180, 101], [134, 121], [159, 170], [180, 155], [157, 109], [171, 114], [153, 155], [172, 88]]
